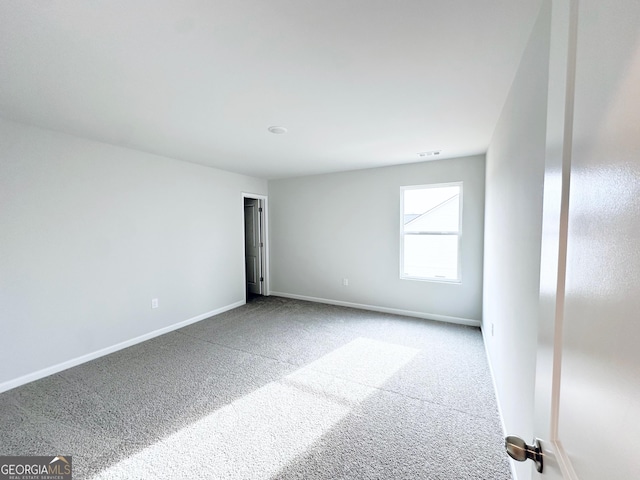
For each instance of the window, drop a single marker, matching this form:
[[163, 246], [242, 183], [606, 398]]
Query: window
[[430, 232]]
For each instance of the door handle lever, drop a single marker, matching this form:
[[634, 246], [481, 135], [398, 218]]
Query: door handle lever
[[520, 451]]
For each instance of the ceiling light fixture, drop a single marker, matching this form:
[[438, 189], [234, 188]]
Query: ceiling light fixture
[[431, 153], [277, 130]]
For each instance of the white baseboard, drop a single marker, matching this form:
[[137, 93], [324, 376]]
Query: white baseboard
[[512, 464], [396, 311], [45, 372]]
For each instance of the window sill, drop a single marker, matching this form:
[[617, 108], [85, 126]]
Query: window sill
[[432, 280]]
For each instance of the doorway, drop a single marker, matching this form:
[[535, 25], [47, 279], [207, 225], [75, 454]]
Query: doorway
[[255, 245]]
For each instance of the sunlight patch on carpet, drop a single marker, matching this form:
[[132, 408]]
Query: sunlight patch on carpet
[[260, 433]]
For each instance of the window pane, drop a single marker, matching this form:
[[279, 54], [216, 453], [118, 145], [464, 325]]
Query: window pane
[[434, 209], [431, 256]]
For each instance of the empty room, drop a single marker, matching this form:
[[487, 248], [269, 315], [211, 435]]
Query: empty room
[[319, 240]]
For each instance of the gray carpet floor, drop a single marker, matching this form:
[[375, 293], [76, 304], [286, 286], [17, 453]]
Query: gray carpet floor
[[276, 389]]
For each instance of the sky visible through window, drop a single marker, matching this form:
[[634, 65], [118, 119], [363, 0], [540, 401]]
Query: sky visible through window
[[431, 229], [420, 200]]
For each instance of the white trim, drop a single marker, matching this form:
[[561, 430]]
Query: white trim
[[512, 463], [561, 455], [407, 313], [265, 273], [45, 372]]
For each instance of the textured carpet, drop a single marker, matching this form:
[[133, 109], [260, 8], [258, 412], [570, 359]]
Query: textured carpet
[[276, 389]]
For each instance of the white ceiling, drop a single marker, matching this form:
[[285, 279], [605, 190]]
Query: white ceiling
[[358, 83]]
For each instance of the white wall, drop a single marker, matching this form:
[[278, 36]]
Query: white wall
[[346, 225], [513, 226], [90, 233]]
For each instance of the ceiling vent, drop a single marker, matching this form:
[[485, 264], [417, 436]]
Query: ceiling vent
[[432, 153]]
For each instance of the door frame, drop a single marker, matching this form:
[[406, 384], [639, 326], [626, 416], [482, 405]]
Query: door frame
[[264, 219], [559, 142]]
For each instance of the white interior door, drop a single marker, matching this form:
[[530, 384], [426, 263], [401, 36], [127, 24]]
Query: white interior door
[[588, 371]]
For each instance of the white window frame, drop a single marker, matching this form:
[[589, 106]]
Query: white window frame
[[404, 276]]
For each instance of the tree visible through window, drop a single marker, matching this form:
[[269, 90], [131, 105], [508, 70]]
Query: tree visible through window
[[431, 232]]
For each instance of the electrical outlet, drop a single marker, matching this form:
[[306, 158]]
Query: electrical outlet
[[154, 303], [345, 282]]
